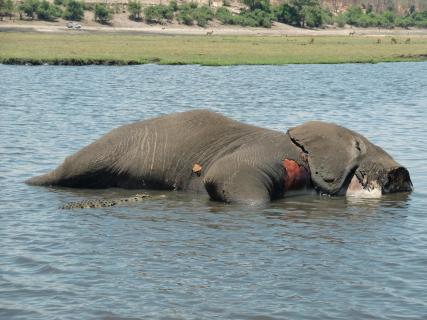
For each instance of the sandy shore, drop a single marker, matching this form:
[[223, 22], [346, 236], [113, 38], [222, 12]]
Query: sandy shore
[[123, 26]]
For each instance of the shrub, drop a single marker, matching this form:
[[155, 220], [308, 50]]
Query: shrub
[[59, 2], [74, 10], [48, 11], [421, 24], [102, 13], [135, 10], [189, 13], [327, 17], [185, 13], [203, 15], [255, 18], [158, 13], [419, 19], [245, 20], [388, 19], [263, 18], [383, 22], [390, 16], [340, 20], [225, 16], [365, 21], [405, 22], [185, 18], [421, 15]]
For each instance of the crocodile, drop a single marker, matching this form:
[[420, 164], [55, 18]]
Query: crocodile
[[102, 203]]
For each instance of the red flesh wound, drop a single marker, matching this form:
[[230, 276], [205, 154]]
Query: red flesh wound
[[296, 176]]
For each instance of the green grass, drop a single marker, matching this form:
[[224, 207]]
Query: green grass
[[37, 48]]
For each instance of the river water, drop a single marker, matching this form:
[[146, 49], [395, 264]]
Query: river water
[[184, 257]]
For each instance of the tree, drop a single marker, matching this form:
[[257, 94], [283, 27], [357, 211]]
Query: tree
[[29, 7], [301, 13], [74, 10], [288, 14], [312, 16], [353, 15], [263, 5], [102, 13], [135, 10], [48, 11], [6, 8]]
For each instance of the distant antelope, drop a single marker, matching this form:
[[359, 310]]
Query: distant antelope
[[378, 41], [352, 33], [408, 41], [393, 41], [311, 41], [209, 33]]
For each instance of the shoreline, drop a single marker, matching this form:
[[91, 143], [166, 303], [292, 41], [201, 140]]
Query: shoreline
[[118, 62]]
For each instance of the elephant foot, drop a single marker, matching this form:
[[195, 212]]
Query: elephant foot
[[296, 176]]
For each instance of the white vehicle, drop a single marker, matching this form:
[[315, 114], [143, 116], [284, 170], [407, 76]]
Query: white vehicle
[[73, 25]]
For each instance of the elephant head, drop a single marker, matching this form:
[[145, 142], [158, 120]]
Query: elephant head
[[342, 161]]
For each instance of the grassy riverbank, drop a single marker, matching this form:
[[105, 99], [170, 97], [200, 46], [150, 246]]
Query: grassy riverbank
[[76, 49]]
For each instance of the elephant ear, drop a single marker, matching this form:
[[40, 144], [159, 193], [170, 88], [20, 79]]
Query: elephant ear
[[333, 153]]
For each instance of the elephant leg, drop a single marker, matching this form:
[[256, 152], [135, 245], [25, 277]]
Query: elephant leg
[[241, 187], [244, 183]]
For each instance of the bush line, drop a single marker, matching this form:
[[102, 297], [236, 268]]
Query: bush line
[[254, 13]]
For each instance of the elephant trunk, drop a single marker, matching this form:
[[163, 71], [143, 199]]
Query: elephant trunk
[[397, 180], [374, 182]]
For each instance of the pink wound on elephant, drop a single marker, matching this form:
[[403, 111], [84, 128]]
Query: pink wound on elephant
[[296, 176]]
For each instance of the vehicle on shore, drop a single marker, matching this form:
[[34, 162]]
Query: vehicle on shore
[[73, 25]]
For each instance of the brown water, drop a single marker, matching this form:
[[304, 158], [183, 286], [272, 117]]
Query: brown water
[[185, 257]]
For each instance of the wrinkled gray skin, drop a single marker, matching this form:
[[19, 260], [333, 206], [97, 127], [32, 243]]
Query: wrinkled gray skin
[[240, 163]]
